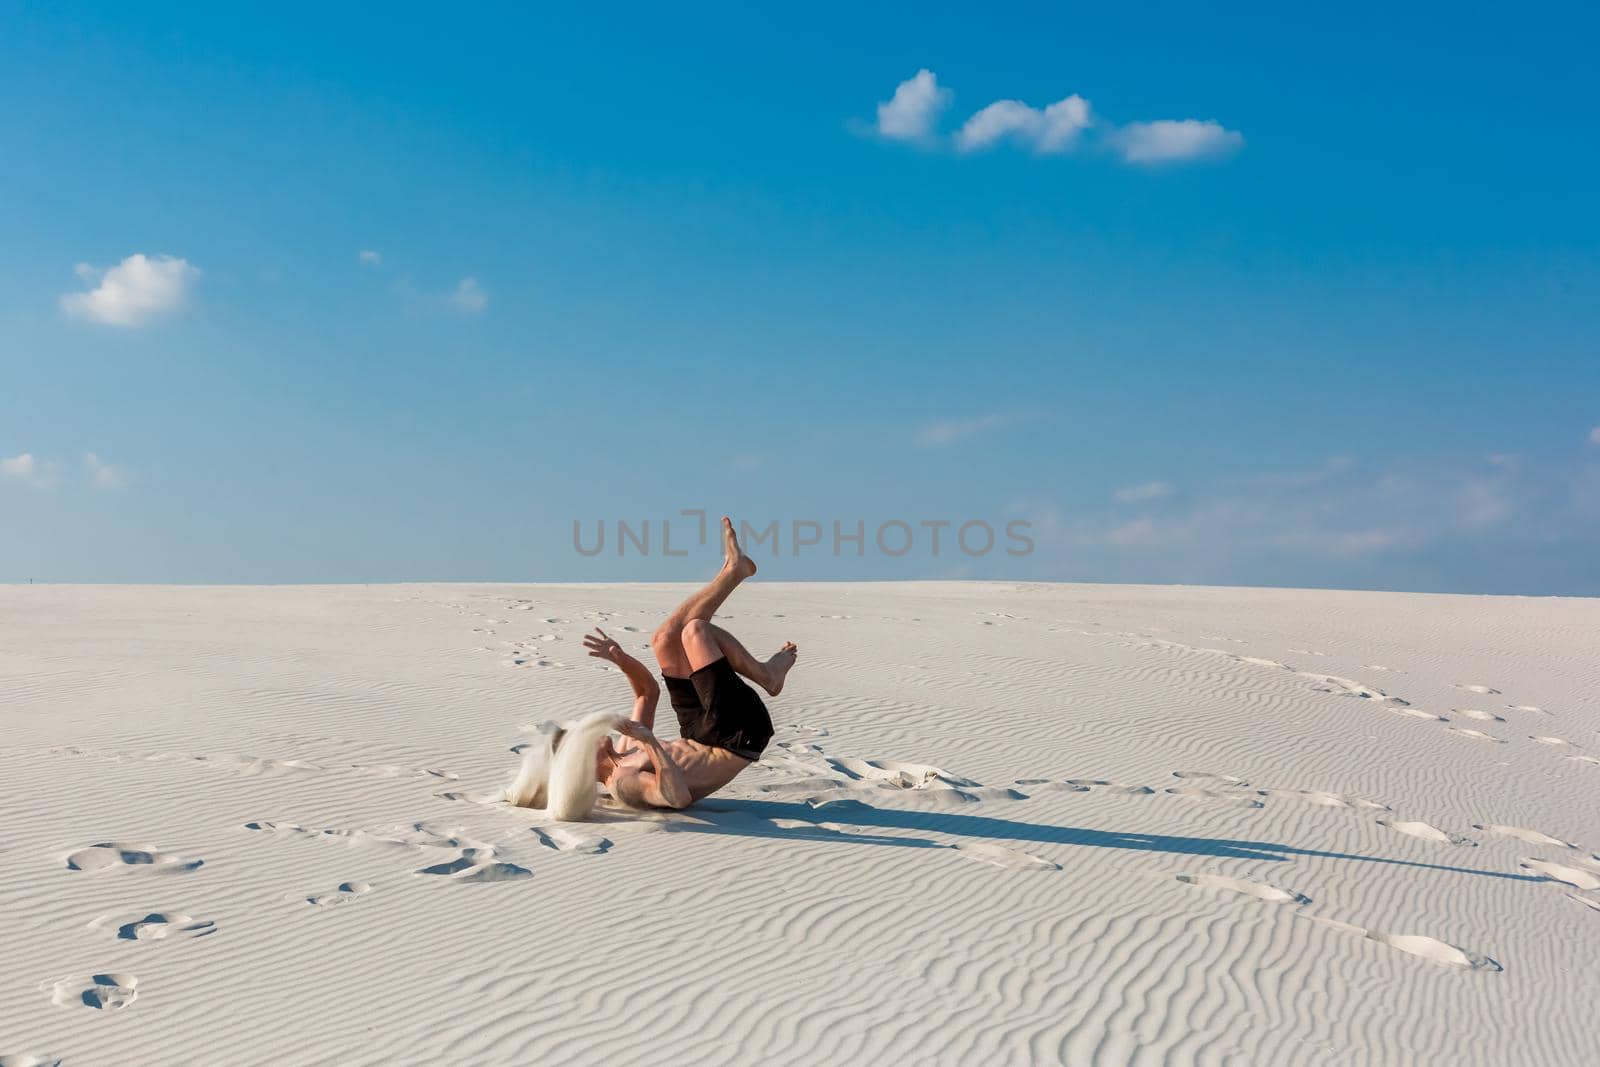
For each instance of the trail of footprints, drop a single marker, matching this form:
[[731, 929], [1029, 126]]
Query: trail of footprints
[[1420, 945], [1331, 683], [532, 650], [115, 990]]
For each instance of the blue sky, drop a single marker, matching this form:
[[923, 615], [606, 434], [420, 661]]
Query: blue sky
[[1283, 298]]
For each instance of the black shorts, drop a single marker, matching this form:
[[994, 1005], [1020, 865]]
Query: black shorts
[[716, 707]]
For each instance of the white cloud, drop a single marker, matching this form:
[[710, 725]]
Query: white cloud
[[134, 291], [469, 297], [1337, 511], [912, 112], [1130, 494], [1594, 436], [949, 431], [22, 467], [1053, 129], [28, 469], [1174, 140], [370, 258], [102, 475]]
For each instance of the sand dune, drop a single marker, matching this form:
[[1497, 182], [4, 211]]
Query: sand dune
[[998, 824]]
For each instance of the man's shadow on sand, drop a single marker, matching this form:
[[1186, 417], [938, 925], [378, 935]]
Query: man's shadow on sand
[[754, 818]]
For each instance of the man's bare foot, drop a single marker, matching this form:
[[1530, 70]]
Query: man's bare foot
[[778, 668], [733, 556]]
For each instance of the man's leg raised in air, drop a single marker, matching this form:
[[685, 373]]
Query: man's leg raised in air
[[667, 642], [706, 643]]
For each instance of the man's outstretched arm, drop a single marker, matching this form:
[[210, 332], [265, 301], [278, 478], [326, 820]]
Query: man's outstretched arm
[[646, 690]]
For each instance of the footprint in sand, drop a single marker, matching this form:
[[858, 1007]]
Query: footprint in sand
[[1007, 858], [1557, 872], [563, 839], [1532, 837], [347, 893], [1227, 778], [1425, 832], [1476, 735], [1418, 713], [30, 1060], [476, 865], [1326, 800], [108, 992], [934, 797], [1430, 948], [1232, 800], [1481, 690], [417, 839], [1049, 785], [109, 855], [154, 926], [1259, 891], [1585, 759], [1332, 683], [1533, 708], [1481, 716], [898, 775], [1104, 786], [1419, 945], [811, 829], [1549, 740]]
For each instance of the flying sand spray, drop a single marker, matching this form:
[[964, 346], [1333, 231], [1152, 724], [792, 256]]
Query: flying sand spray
[[557, 771]]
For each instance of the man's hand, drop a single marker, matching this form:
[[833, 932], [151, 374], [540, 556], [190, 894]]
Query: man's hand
[[645, 690], [636, 730], [601, 646]]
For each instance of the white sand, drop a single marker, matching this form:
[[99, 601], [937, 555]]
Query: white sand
[[1001, 824]]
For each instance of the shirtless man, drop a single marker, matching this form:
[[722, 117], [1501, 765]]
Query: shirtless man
[[723, 723]]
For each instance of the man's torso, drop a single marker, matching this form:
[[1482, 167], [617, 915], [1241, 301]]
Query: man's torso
[[705, 768]]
